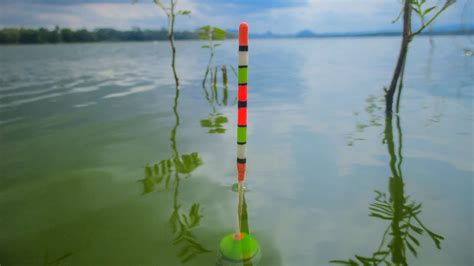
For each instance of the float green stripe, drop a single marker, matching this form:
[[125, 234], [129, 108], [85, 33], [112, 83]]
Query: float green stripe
[[243, 75], [241, 134]]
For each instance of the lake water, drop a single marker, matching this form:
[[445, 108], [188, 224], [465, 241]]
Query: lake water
[[79, 124]]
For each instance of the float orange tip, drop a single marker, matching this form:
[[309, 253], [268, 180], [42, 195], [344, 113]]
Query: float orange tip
[[243, 33], [238, 236]]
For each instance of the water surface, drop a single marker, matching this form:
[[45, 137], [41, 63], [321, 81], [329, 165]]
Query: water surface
[[83, 126]]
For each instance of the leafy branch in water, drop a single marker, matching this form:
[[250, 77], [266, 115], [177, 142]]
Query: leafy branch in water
[[420, 8], [210, 34], [405, 229], [182, 225], [171, 13], [216, 120], [405, 226], [423, 12], [157, 173], [215, 123]]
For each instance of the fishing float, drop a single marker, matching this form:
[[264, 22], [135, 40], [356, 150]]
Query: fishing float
[[241, 247]]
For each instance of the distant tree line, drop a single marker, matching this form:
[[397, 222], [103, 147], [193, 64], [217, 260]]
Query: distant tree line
[[65, 35]]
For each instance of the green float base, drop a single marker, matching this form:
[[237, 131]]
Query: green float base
[[239, 248]]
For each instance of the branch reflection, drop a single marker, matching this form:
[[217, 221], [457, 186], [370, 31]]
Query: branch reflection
[[405, 226]]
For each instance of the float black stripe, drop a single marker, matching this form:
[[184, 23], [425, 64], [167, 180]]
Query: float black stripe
[[243, 48]]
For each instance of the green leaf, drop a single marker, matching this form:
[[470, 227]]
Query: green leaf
[[415, 208], [218, 33], [159, 179], [184, 251], [156, 169], [167, 180], [184, 12], [380, 216], [412, 249], [344, 262], [196, 245], [381, 211], [221, 120], [148, 171], [365, 260], [416, 229], [380, 253], [188, 258], [436, 238], [206, 123], [217, 131], [384, 206], [185, 219], [397, 18], [448, 3], [418, 12], [203, 32], [217, 44], [428, 10], [380, 196], [414, 240], [205, 46], [174, 221]]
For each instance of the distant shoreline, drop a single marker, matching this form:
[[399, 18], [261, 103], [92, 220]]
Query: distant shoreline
[[14, 36]]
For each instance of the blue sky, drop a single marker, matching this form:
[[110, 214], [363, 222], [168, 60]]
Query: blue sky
[[278, 16]]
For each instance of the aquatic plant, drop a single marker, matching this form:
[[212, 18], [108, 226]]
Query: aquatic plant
[[405, 225], [182, 225], [210, 34], [373, 110], [158, 177], [216, 120], [423, 13]]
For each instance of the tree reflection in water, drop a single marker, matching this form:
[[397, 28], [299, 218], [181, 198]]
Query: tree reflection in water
[[405, 227], [158, 177], [216, 120]]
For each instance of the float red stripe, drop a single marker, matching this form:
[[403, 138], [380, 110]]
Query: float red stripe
[[242, 116], [242, 93], [241, 168], [243, 34]]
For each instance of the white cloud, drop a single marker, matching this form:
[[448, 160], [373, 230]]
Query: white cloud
[[316, 15]]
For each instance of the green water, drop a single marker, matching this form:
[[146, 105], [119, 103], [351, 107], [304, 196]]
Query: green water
[[83, 128]]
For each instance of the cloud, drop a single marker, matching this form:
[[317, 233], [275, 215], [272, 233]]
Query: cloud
[[277, 15], [341, 16], [87, 15]]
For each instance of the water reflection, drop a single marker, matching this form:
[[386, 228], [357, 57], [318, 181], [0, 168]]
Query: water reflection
[[373, 110], [216, 120], [177, 168], [405, 226]]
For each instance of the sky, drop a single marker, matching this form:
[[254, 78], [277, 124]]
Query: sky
[[277, 16]]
